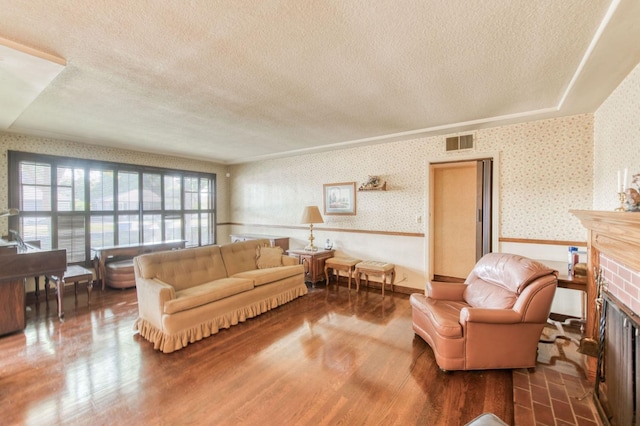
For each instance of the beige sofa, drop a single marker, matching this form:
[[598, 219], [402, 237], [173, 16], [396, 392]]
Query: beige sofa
[[187, 295]]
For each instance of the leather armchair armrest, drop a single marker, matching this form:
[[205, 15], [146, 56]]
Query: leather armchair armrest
[[445, 291], [490, 316], [152, 294]]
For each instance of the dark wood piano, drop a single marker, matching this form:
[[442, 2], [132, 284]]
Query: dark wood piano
[[18, 263]]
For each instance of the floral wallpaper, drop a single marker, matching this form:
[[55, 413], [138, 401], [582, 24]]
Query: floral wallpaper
[[542, 174], [15, 142], [545, 168], [616, 140]]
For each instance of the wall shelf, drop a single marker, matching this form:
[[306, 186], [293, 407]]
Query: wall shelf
[[382, 187]]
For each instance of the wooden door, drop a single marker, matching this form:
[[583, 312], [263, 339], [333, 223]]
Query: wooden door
[[461, 211]]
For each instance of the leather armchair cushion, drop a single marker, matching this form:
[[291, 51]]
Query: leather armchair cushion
[[444, 315], [484, 294], [499, 278], [445, 291], [511, 272]]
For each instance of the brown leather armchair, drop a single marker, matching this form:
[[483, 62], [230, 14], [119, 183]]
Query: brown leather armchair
[[492, 320]]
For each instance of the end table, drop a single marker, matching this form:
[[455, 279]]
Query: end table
[[313, 262]]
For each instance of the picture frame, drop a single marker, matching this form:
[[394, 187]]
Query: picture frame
[[339, 198]]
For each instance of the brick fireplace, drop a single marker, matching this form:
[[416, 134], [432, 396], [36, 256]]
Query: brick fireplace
[[614, 252], [623, 282]]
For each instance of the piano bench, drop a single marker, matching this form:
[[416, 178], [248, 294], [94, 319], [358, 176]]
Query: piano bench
[[74, 274]]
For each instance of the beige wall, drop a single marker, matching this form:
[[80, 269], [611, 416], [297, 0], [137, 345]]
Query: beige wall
[[13, 142], [616, 140], [544, 169]]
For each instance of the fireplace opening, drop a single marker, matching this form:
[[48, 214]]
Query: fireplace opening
[[616, 389]]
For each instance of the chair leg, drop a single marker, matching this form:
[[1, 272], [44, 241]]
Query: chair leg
[[46, 289], [384, 280], [89, 289]]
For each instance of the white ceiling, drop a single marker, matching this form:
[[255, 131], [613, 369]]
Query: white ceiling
[[241, 80]]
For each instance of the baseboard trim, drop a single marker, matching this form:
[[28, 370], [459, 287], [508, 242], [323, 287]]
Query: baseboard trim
[[343, 282]]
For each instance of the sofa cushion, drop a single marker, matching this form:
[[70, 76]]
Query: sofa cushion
[[241, 256], [206, 293], [268, 257], [269, 275], [183, 268], [443, 314]]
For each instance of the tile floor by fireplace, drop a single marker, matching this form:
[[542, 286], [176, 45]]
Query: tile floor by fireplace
[[557, 392]]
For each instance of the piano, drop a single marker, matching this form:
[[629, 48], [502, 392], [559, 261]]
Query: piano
[[17, 262]]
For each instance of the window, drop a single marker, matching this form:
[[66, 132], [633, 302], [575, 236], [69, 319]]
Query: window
[[77, 204]]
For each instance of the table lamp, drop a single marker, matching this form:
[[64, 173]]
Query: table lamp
[[311, 215]]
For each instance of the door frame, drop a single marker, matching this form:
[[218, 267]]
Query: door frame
[[495, 210]]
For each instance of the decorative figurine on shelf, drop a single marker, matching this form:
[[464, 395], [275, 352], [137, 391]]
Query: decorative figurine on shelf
[[373, 183], [632, 195]]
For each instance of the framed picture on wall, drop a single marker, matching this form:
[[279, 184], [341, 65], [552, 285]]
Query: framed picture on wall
[[339, 198]]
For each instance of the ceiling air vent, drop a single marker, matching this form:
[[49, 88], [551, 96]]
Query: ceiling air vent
[[457, 143]]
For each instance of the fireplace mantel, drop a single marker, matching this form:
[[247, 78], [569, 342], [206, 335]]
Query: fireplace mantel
[[615, 235]]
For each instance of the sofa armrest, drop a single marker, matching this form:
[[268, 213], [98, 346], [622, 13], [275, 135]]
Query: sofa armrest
[[490, 316], [290, 261], [152, 294], [445, 291]]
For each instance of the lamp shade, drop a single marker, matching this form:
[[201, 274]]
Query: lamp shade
[[311, 214]]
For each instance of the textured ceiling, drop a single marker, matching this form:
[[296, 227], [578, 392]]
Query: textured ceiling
[[235, 81]]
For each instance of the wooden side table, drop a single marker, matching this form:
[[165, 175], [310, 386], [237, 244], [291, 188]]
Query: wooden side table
[[313, 262]]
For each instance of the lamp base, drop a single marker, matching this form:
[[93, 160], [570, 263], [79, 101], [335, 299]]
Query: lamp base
[[311, 248]]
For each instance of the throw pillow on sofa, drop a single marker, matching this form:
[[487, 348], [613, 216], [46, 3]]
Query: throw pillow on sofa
[[268, 257]]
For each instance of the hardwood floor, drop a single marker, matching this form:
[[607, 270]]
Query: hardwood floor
[[330, 357]]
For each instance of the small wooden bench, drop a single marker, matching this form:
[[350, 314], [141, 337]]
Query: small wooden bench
[[74, 274], [346, 264], [375, 268]]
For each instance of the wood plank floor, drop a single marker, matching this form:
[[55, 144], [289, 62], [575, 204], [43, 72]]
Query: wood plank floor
[[330, 357]]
